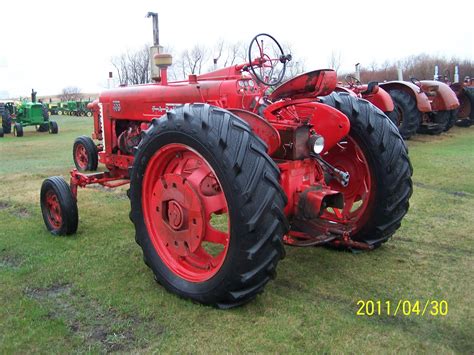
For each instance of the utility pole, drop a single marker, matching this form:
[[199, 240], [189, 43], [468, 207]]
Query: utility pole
[[156, 48]]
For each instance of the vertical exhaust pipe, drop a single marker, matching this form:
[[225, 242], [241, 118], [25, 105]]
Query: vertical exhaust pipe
[[400, 74], [456, 74], [357, 71]]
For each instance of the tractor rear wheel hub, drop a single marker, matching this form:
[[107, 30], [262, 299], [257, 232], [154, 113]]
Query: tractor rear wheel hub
[[180, 209]]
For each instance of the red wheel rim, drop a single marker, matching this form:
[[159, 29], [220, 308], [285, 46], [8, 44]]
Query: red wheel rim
[[180, 197], [81, 156], [358, 194], [53, 210]]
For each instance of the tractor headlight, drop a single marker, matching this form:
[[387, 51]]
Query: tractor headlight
[[316, 143]]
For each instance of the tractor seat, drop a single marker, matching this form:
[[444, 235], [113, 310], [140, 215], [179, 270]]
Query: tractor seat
[[372, 88]]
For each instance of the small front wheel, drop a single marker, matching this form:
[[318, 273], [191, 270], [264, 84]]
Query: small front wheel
[[18, 130], [58, 206], [53, 127], [84, 153]]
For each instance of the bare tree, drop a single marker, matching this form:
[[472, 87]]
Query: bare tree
[[195, 58], [133, 66], [335, 60], [70, 93]]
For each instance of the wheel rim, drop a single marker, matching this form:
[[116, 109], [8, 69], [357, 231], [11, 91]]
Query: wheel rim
[[348, 156], [81, 156], [53, 210], [181, 196]]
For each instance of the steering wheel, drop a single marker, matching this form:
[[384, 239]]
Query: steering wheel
[[415, 81], [267, 62], [351, 79]]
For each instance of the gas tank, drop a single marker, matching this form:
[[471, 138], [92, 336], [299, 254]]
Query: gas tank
[[145, 102]]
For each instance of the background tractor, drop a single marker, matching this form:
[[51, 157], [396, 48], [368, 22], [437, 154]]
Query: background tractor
[[77, 108], [422, 106], [32, 114], [465, 94], [52, 107], [373, 93], [222, 173]]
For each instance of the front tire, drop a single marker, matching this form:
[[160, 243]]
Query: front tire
[[18, 130], [377, 158], [53, 127], [85, 154], [58, 206], [207, 154]]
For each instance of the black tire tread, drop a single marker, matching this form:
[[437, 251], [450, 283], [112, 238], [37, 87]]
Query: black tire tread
[[67, 202], [388, 156], [411, 115], [92, 153], [252, 175]]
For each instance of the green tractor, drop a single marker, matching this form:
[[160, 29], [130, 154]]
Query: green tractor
[[82, 109], [76, 108], [62, 108], [52, 107], [33, 114], [71, 108]]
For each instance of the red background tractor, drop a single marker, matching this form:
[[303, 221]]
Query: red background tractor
[[303, 165]]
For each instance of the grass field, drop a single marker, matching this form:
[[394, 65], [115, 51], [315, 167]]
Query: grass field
[[92, 292]]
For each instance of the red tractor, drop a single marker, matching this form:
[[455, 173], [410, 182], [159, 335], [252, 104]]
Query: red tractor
[[465, 94], [221, 174], [424, 106], [377, 96]]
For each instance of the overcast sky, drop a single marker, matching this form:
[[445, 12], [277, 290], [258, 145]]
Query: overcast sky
[[48, 45]]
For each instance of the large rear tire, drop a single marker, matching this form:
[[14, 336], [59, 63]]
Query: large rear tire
[[58, 206], [406, 115], [377, 158], [85, 154], [6, 121], [206, 154]]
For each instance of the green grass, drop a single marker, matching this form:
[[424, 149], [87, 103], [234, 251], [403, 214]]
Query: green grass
[[92, 292]]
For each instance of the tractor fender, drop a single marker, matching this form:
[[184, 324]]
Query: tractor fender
[[330, 123], [261, 127], [381, 99], [465, 95], [343, 89], [422, 102], [444, 99]]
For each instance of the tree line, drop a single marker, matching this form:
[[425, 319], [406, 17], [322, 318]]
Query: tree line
[[420, 66], [132, 67]]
